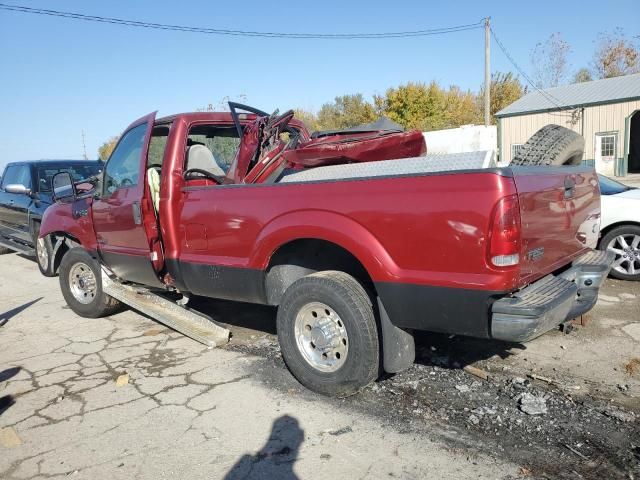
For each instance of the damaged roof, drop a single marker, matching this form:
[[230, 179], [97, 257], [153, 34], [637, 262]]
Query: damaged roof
[[597, 92]]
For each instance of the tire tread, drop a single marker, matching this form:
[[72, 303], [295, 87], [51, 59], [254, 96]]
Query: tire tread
[[551, 145]]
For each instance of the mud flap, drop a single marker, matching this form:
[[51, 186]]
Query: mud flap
[[398, 345]]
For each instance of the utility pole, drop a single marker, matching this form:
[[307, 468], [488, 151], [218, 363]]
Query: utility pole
[[84, 147], [487, 72]]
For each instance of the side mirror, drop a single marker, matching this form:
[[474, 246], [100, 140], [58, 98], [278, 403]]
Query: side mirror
[[63, 187], [17, 188]]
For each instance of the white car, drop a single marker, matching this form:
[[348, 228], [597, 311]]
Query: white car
[[620, 227]]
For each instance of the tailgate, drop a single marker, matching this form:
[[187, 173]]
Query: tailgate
[[560, 215]]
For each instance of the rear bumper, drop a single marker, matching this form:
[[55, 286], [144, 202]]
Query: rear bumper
[[550, 301]]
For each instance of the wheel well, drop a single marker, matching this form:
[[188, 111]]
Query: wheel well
[[302, 257], [67, 244], [608, 228]]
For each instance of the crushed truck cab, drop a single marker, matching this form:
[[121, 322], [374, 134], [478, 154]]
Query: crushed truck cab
[[357, 236]]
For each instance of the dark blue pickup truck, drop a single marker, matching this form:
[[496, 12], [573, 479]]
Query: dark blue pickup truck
[[25, 193]]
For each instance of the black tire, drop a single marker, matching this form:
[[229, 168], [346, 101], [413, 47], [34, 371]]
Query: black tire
[[628, 232], [551, 145], [44, 253], [5, 250], [98, 305], [346, 296]]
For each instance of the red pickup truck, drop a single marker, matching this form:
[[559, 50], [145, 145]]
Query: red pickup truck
[[356, 236]]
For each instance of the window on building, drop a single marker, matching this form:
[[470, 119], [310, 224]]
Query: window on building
[[516, 148], [606, 145]]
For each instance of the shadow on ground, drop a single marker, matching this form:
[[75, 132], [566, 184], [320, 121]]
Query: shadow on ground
[[431, 348], [237, 314], [7, 400], [448, 351], [442, 350], [9, 314], [276, 458]]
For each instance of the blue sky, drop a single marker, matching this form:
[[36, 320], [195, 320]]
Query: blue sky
[[59, 77]]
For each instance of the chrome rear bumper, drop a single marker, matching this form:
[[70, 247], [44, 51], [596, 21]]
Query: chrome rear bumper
[[552, 300]]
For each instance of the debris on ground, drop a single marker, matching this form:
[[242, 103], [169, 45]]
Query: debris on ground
[[520, 383], [532, 404], [463, 388], [341, 431], [543, 379], [618, 414], [122, 380], [477, 372], [152, 332], [524, 472], [632, 366], [9, 438], [584, 457]]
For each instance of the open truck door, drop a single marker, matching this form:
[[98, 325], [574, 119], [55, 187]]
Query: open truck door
[[118, 212]]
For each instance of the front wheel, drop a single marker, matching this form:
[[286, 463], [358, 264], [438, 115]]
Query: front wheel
[[624, 242], [328, 333], [44, 256], [81, 285]]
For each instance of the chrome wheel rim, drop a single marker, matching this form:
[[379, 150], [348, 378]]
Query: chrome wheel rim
[[42, 254], [627, 251], [82, 283], [321, 337]]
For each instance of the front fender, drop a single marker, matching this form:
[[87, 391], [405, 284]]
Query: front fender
[[331, 227], [73, 219]]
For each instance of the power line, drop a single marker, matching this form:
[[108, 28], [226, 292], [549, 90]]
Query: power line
[[550, 98], [241, 33]]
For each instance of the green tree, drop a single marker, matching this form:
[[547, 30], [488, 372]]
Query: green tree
[[504, 90], [104, 151], [415, 105], [462, 107], [582, 75], [345, 111], [615, 55], [309, 118]]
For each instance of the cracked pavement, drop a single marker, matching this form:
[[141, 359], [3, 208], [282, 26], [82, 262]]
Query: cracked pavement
[[185, 412]]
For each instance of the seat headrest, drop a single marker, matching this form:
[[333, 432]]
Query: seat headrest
[[199, 156]]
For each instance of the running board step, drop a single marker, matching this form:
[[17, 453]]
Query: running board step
[[187, 322], [17, 247]]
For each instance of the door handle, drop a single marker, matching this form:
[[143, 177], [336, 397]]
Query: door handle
[[137, 216], [569, 187]]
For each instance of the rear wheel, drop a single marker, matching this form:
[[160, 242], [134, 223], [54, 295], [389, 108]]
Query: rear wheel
[[551, 145], [624, 242], [4, 250], [328, 333], [81, 285]]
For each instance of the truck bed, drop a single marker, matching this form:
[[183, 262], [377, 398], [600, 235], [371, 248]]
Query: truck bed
[[404, 166]]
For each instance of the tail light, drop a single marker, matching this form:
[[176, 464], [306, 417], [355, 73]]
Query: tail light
[[506, 232]]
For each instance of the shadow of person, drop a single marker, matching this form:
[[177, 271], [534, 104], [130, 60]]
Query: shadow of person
[[9, 314], [7, 400], [276, 458]]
